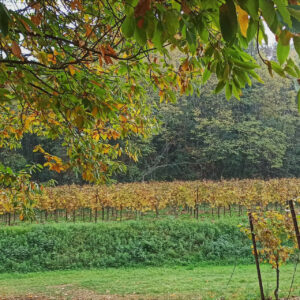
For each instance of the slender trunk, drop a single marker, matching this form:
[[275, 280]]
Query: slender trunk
[[156, 211], [256, 257], [277, 281], [107, 213]]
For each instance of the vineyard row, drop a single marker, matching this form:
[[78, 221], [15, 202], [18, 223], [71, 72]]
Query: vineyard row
[[136, 199]]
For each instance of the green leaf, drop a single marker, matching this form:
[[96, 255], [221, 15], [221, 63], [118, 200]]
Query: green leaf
[[282, 7], [294, 10], [202, 30], [228, 21], [295, 28], [151, 24], [140, 36], [220, 86], [235, 91], [291, 65], [129, 25], [296, 40], [252, 29], [291, 71], [255, 76], [191, 35], [157, 37], [243, 77], [228, 90], [268, 11], [277, 69], [244, 65], [206, 75], [282, 52], [4, 18], [171, 21], [250, 6]]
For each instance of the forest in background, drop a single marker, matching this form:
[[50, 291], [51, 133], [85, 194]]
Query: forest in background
[[203, 136]]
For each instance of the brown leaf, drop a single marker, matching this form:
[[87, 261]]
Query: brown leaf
[[25, 25], [16, 50], [185, 7], [142, 7], [36, 19]]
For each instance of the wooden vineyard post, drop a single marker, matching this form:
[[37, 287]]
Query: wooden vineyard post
[[103, 212], [96, 214], [96, 210], [256, 257], [294, 217]]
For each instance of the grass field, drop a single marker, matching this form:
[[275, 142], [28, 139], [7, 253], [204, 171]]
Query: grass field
[[201, 282]]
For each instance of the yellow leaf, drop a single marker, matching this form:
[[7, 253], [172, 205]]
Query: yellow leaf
[[243, 20], [72, 69], [95, 111]]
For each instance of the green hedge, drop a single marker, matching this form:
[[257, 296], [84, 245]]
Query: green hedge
[[132, 243]]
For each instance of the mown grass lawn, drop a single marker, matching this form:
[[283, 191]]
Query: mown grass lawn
[[201, 282]]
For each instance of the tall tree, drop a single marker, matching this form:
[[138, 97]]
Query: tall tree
[[80, 69]]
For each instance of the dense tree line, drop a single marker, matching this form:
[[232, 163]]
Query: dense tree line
[[206, 136]]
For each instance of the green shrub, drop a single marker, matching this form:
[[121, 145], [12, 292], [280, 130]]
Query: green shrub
[[132, 243]]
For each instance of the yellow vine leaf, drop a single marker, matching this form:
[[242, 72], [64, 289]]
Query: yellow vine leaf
[[72, 69]]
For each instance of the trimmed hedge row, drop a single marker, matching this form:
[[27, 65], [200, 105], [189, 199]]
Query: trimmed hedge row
[[132, 243]]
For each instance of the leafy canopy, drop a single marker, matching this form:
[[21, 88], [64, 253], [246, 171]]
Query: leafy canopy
[[81, 69]]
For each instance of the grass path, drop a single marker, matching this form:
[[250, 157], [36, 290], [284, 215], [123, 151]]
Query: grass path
[[203, 282]]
